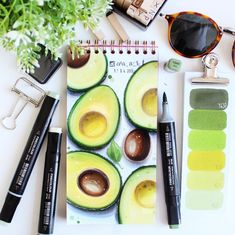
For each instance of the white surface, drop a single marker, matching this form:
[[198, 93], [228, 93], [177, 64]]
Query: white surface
[[12, 142]]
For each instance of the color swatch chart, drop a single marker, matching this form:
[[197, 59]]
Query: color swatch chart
[[204, 146]]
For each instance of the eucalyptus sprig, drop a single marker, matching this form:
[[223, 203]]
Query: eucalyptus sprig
[[25, 23]]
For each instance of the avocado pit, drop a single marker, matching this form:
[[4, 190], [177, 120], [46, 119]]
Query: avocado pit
[[137, 145], [93, 124], [93, 182], [145, 193], [149, 102], [78, 60]]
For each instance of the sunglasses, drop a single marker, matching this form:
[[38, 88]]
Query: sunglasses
[[194, 35]]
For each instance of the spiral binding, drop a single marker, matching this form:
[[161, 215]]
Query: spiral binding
[[119, 46]]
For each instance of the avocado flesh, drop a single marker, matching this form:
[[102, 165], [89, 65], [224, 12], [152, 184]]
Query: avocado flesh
[[89, 75], [141, 97], [94, 118], [137, 203], [80, 161]]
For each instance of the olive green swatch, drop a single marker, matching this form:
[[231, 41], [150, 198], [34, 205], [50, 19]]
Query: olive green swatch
[[207, 119], [205, 180], [206, 140], [209, 99], [204, 200]]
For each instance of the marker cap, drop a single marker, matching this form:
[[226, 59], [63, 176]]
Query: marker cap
[[9, 208]]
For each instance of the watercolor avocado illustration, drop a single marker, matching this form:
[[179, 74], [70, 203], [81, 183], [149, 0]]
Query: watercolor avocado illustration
[[94, 118], [87, 71], [138, 197], [93, 182], [140, 99]]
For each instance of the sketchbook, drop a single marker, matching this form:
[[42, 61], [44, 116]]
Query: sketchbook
[[111, 143]]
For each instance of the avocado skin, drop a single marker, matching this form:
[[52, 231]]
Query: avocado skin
[[118, 196], [133, 172], [81, 145], [72, 90], [126, 113]]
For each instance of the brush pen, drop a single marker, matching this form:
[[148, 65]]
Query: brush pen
[[170, 165], [50, 182], [29, 157]]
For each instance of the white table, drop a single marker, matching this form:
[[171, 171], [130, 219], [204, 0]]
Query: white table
[[12, 142]]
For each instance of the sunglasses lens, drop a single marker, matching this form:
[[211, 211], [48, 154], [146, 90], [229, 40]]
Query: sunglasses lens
[[233, 53], [192, 35]]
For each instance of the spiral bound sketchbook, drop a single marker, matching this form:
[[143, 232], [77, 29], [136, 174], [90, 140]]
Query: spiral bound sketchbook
[[112, 123]]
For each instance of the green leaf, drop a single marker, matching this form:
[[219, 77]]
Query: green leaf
[[114, 152]]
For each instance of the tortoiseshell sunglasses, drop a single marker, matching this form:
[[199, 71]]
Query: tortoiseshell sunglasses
[[193, 35]]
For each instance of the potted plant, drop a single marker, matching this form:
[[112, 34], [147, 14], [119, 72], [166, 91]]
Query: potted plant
[[26, 23]]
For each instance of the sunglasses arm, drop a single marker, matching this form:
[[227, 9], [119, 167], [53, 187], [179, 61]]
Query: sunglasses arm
[[228, 30]]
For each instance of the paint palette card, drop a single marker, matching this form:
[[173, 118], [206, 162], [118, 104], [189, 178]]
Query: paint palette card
[[206, 136], [111, 144]]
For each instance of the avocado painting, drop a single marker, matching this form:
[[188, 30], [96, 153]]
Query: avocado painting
[[142, 109], [111, 141]]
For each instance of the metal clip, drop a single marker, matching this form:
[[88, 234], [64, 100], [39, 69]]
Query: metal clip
[[210, 62], [23, 87]]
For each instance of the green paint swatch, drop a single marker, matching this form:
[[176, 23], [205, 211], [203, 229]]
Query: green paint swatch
[[209, 99], [204, 200], [206, 140], [207, 119], [206, 160], [204, 180]]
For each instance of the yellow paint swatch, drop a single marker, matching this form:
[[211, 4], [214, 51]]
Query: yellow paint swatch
[[206, 160], [204, 200], [205, 180]]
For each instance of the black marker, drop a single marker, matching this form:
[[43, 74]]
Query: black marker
[[170, 165], [50, 182], [29, 156]]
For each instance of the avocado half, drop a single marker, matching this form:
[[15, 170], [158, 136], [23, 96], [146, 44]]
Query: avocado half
[[93, 182], [94, 118], [140, 99], [137, 203], [86, 71]]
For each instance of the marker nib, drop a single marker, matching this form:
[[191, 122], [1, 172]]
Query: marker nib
[[164, 98]]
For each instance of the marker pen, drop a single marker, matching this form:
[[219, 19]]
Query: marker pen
[[29, 156], [50, 182], [170, 165]]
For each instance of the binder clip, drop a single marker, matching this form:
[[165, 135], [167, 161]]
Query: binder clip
[[210, 62], [28, 92]]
